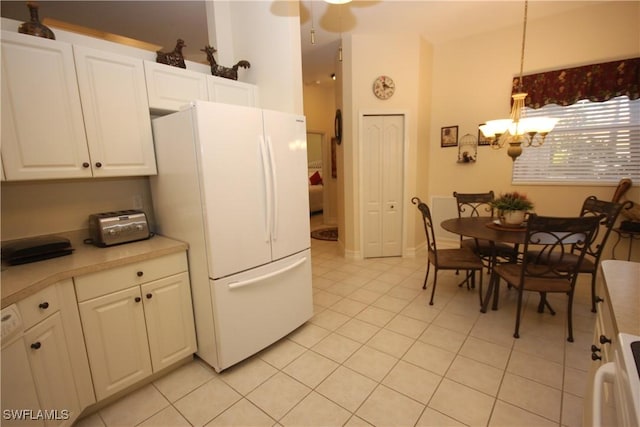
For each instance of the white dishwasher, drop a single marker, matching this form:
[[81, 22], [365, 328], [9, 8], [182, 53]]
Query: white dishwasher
[[19, 399]]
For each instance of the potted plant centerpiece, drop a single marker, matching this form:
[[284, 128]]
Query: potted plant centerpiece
[[512, 208]]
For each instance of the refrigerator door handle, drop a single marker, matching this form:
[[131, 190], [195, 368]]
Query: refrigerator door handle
[[274, 183], [254, 280], [267, 188]]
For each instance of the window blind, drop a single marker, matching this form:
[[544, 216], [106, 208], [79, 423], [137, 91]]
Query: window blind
[[594, 142]]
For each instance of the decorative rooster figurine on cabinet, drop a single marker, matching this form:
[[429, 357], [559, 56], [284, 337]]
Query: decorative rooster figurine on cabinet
[[173, 58], [221, 71]]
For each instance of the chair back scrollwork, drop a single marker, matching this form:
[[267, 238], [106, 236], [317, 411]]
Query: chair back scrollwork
[[474, 204], [552, 244]]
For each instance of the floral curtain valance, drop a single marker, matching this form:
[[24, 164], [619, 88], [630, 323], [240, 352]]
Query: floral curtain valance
[[596, 82]]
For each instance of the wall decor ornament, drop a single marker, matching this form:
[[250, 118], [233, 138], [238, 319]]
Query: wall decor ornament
[[337, 126], [34, 27], [467, 149], [173, 58], [449, 136], [220, 70], [384, 87]]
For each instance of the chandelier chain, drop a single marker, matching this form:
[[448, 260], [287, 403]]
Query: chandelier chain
[[524, 36]]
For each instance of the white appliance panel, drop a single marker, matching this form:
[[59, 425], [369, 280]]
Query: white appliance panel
[[232, 167], [258, 307], [286, 137], [223, 179]]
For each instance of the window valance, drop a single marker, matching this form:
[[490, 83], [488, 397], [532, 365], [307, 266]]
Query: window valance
[[596, 82]]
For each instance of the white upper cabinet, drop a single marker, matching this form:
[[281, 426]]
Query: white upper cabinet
[[169, 88], [116, 113], [72, 112], [229, 91], [43, 134]]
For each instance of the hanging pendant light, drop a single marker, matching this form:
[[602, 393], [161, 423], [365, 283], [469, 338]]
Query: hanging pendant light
[[518, 130], [313, 30]]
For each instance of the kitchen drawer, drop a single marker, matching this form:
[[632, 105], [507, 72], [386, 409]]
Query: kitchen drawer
[[119, 278], [39, 306]]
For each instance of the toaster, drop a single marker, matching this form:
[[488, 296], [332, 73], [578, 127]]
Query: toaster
[[114, 228]]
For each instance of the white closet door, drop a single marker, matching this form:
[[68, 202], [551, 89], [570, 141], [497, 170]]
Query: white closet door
[[383, 170]]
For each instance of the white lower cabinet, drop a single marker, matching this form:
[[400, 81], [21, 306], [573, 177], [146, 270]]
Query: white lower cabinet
[[116, 340], [52, 371], [43, 374], [135, 330], [18, 387]]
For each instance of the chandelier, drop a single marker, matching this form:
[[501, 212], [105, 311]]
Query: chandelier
[[517, 130]]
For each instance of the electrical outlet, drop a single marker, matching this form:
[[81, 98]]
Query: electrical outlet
[[137, 201]]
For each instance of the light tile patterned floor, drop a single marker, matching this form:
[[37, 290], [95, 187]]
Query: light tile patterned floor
[[376, 354]]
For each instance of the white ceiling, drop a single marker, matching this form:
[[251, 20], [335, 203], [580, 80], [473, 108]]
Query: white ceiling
[[162, 22]]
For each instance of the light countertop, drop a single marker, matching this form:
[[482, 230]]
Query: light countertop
[[622, 285], [20, 281]]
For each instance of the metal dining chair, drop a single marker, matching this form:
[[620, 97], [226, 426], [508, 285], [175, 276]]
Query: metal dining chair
[[462, 259], [476, 205], [609, 212], [555, 249]]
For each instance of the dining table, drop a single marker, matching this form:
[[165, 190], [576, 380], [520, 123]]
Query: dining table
[[486, 228]]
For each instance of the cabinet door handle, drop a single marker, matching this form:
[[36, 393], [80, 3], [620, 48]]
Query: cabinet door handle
[[98, 164], [36, 345], [137, 299], [43, 305], [86, 165], [149, 296], [604, 340], [595, 356], [599, 299], [140, 273], [594, 348]]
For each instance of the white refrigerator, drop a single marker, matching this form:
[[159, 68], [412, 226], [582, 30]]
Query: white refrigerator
[[232, 183]]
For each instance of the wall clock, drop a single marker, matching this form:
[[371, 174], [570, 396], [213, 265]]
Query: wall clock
[[384, 87], [337, 126]]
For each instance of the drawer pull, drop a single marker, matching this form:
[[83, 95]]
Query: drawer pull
[[140, 273], [137, 299], [85, 165], [43, 305], [98, 164], [36, 345], [149, 296]]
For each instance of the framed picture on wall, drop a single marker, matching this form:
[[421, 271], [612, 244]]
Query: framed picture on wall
[[481, 138], [449, 136]]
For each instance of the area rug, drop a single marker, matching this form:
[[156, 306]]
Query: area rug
[[330, 233]]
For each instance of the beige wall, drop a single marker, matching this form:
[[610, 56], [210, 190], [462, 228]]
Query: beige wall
[[474, 82], [35, 208], [464, 83], [406, 58]]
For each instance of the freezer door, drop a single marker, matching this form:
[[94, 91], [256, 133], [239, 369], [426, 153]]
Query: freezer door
[[256, 308], [233, 161], [286, 137]]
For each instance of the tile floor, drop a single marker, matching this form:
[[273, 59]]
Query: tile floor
[[376, 354]]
